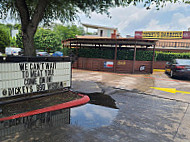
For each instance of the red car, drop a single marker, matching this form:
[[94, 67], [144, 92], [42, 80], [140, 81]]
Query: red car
[[178, 68]]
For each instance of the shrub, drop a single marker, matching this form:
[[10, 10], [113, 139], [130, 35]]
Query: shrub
[[123, 54]]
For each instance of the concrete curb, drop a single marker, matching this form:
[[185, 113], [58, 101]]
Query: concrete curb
[[70, 104], [159, 70]]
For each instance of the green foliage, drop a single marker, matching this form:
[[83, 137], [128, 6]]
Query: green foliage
[[65, 32], [17, 26], [127, 54], [32, 12], [4, 37], [95, 53], [144, 55], [19, 40], [109, 54], [141, 55], [47, 40], [58, 9], [65, 51], [13, 42], [168, 56]]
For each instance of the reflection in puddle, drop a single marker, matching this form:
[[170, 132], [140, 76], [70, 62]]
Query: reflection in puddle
[[91, 116], [29, 123], [100, 111]]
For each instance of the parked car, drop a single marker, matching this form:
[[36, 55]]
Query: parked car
[[12, 51], [178, 68], [57, 54], [42, 54]]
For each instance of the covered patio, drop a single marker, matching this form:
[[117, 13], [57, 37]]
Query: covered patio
[[125, 66]]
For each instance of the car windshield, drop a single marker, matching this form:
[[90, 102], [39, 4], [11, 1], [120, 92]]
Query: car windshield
[[183, 62]]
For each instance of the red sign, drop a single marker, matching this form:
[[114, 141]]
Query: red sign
[[138, 34], [186, 35]]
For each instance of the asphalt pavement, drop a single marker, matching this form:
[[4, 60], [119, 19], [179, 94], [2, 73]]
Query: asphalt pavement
[[150, 108]]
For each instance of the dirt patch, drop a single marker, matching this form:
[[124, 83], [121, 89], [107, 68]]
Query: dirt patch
[[37, 103]]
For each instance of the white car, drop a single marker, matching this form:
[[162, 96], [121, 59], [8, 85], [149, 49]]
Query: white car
[[12, 51], [42, 54]]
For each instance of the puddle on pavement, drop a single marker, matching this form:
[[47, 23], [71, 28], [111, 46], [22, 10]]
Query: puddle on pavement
[[100, 111]]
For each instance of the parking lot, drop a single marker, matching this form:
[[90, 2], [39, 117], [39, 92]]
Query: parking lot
[[171, 97], [123, 107]]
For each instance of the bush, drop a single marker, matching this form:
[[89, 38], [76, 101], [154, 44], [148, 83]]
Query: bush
[[168, 56], [125, 54]]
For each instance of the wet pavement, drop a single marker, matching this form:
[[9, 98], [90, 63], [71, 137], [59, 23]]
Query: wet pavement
[[123, 108]]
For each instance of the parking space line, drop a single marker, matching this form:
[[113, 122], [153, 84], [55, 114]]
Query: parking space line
[[170, 90]]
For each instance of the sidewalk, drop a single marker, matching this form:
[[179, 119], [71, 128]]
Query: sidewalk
[[141, 83]]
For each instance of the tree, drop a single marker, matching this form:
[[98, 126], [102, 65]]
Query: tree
[[65, 32], [13, 42], [46, 39], [32, 12], [4, 38]]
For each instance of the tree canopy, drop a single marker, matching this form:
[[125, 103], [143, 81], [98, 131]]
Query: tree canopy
[[50, 39], [32, 12], [69, 31]]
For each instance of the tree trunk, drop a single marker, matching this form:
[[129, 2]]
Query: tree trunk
[[30, 23], [28, 43]]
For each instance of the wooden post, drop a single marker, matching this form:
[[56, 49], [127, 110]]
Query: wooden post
[[134, 57], [77, 55], [152, 66], [70, 44], [115, 56]]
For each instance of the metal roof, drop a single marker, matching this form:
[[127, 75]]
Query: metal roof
[[97, 27], [111, 41]]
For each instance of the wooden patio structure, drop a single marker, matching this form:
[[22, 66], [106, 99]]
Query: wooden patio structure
[[127, 43]]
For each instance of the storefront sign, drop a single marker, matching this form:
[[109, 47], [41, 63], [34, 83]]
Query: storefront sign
[[29, 77], [162, 34], [108, 64]]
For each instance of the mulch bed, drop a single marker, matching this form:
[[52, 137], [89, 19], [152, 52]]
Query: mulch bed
[[37, 103]]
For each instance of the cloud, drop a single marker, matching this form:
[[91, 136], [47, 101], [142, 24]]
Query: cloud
[[185, 22], [129, 16], [174, 6], [130, 19], [154, 25]]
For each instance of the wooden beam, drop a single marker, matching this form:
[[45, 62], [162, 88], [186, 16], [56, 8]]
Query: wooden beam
[[115, 56], [152, 66], [134, 58]]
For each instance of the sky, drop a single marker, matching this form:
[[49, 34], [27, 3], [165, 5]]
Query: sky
[[172, 17]]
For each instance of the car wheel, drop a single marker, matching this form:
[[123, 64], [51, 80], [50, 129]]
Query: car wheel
[[166, 71], [171, 74]]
